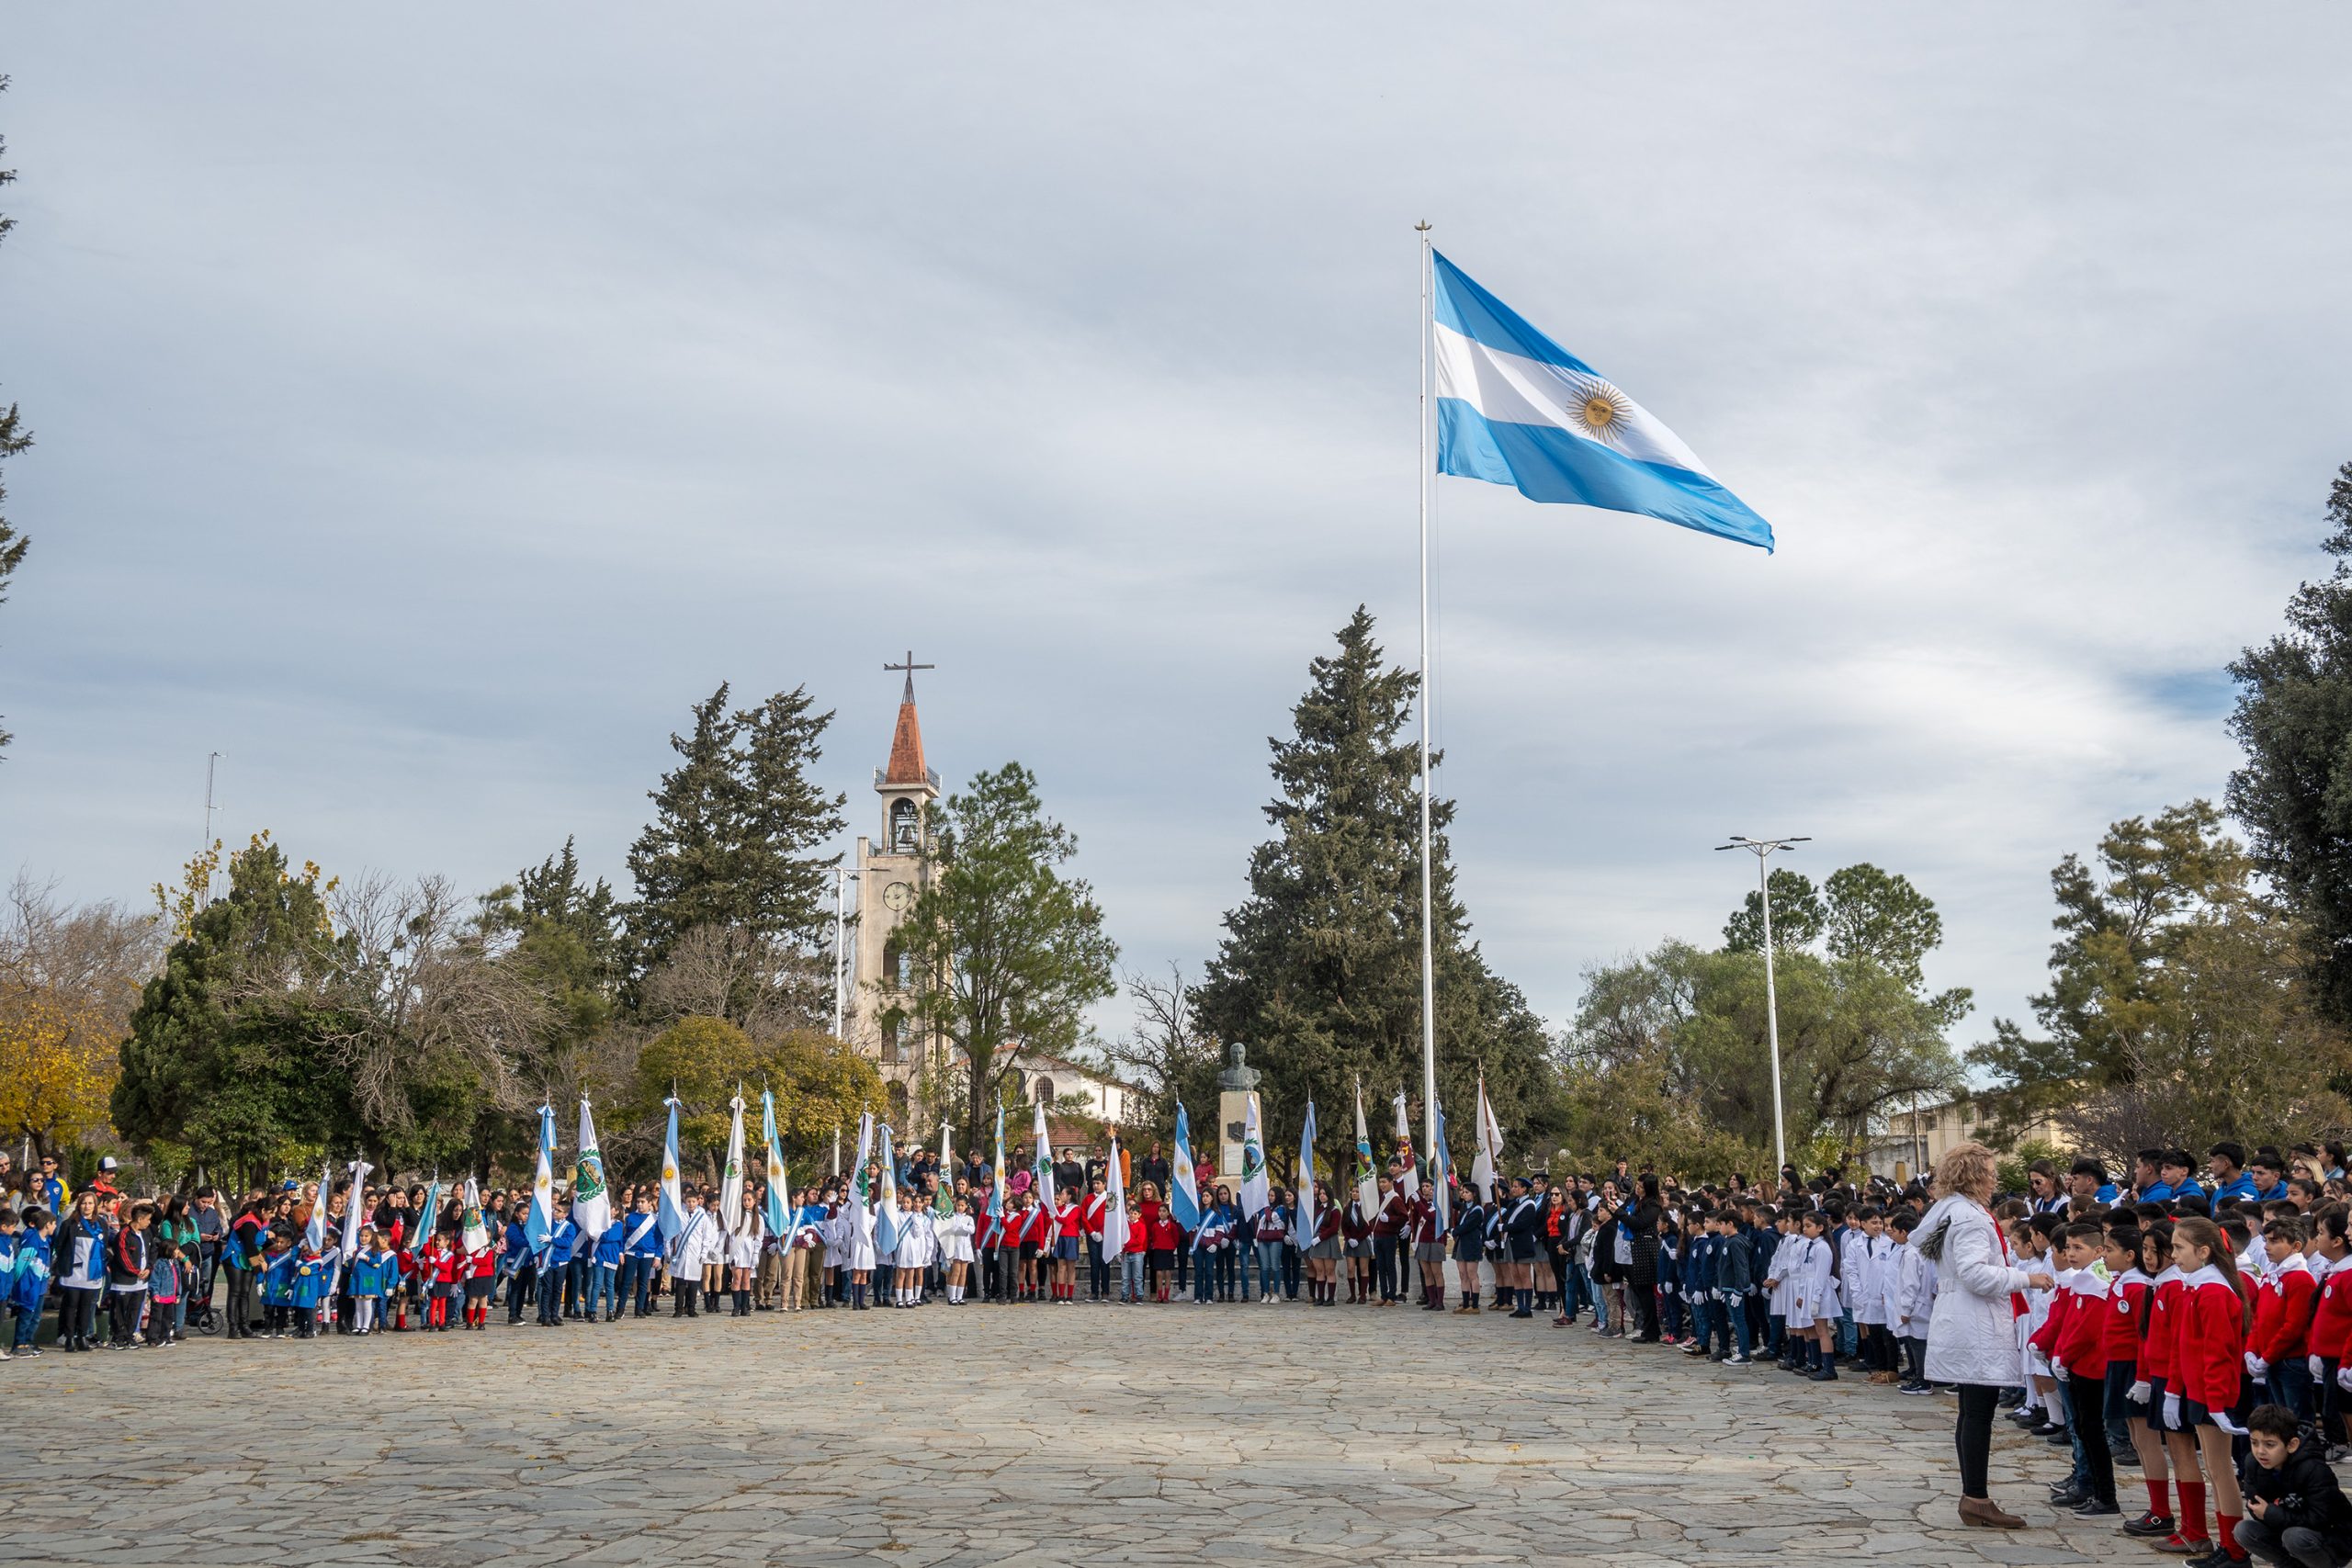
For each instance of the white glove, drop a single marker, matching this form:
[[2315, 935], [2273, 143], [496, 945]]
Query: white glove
[[2318, 1371], [2221, 1419], [2344, 1378], [2256, 1367], [2139, 1392], [2172, 1413]]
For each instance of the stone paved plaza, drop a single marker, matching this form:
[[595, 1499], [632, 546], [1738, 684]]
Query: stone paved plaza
[[991, 1436]]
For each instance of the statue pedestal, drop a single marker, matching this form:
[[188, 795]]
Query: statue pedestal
[[1232, 1123]]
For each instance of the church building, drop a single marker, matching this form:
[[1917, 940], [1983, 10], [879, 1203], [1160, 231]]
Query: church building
[[891, 869]]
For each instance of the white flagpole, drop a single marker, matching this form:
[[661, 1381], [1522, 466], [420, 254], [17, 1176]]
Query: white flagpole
[[1429, 982]]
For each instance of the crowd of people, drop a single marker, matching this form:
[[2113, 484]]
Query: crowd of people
[[2196, 1332]]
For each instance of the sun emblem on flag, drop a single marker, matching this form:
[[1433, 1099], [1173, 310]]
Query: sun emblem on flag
[[1599, 410]]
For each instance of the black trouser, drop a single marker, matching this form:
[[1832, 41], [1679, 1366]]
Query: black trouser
[[241, 1303], [123, 1309], [2331, 1401], [1383, 1266], [1915, 1356], [1972, 1435], [1098, 1269], [77, 1313], [518, 1291], [2087, 1406]]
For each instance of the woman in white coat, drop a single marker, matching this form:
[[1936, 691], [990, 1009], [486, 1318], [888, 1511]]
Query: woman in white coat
[[1972, 1338]]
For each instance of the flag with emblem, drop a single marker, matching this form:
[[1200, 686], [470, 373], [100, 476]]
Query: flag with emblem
[[772, 1208], [1042, 1169], [592, 1202], [730, 1178], [540, 1224], [1367, 1193], [886, 1202], [1184, 1186], [1514, 408], [1114, 1207], [1256, 1191], [669, 1213], [473, 1232]]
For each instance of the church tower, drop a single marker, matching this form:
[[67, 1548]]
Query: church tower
[[890, 868]]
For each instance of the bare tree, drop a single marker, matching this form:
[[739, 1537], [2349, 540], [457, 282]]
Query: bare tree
[[421, 986], [764, 987], [97, 955]]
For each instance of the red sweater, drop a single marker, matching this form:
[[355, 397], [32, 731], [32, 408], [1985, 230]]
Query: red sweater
[[2210, 1355], [2282, 1313], [2082, 1346], [2160, 1342], [2332, 1319], [2127, 1307]]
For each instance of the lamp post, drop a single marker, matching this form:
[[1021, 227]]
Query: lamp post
[[1762, 849], [842, 875]]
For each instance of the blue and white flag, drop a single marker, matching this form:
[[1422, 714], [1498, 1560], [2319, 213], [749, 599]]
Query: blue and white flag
[[1184, 1191], [1303, 1200], [540, 1224], [351, 1220], [885, 1202], [996, 1188], [314, 1235], [773, 1210], [1514, 408], [670, 1214], [1439, 1165], [428, 1213]]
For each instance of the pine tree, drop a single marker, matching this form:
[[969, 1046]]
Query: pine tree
[[1320, 972], [736, 831]]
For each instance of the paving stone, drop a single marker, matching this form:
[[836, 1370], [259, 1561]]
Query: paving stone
[[929, 1440]]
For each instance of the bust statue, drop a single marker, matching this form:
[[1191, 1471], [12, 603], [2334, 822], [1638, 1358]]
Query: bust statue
[[1238, 1076]]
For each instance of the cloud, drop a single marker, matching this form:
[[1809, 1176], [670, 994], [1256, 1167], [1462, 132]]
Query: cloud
[[427, 416]]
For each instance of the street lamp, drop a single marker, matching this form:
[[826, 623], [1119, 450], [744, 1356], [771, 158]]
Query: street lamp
[[840, 874], [1762, 849]]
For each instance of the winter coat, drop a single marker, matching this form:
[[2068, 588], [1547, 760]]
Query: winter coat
[[1973, 1337]]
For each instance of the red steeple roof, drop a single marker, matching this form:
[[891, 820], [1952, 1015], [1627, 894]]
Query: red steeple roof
[[906, 743]]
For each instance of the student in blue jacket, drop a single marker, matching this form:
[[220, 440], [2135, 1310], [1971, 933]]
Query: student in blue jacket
[[521, 1266], [305, 1289], [603, 1275], [555, 1267], [372, 1272], [1697, 1282], [640, 1258], [28, 1282], [278, 1285]]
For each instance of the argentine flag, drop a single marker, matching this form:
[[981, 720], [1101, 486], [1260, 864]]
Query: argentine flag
[[539, 1223], [670, 1213], [1183, 1188], [1514, 408]]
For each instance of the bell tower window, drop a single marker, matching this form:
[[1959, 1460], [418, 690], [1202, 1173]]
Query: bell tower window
[[906, 827]]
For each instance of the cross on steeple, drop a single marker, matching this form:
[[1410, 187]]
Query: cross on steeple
[[910, 667]]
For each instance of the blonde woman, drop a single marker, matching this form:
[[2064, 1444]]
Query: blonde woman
[[1972, 1338]]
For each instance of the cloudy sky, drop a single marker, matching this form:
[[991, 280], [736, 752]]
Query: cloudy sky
[[432, 407]]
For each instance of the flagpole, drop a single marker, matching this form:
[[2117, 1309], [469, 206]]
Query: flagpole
[[1429, 984]]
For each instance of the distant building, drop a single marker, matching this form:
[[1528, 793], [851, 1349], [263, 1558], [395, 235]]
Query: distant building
[[891, 869], [1908, 1142]]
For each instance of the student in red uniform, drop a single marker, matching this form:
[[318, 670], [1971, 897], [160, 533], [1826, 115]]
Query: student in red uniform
[[2331, 1319], [480, 1268], [2277, 1350], [1428, 1248], [988, 1240], [1068, 1241], [1355, 1235], [1091, 1214], [2159, 1361], [1026, 1227], [2210, 1320], [1166, 1236], [2080, 1356], [2126, 1389]]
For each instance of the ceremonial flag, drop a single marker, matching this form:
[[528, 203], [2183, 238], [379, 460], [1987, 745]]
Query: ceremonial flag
[[943, 1190], [860, 1197], [1115, 1210], [1410, 1179], [472, 1230], [773, 1211], [428, 1211], [1253, 1162], [1303, 1226], [730, 1180], [1514, 408], [670, 1214], [359, 1169], [314, 1235], [996, 1188], [885, 1202], [1184, 1191], [1367, 1193], [592, 1203], [540, 1224], [1482, 1165], [1437, 1166], [1045, 1171]]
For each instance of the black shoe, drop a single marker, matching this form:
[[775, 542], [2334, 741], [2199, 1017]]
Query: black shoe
[[2155, 1525], [2066, 1497], [2092, 1508], [2045, 1428]]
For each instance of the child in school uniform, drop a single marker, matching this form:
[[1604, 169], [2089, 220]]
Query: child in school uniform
[[1777, 1286], [369, 1267], [1911, 1296], [28, 1287], [166, 1293], [2211, 1321], [2277, 1351], [278, 1262], [1815, 1306], [2079, 1354], [1867, 1288], [2331, 1330], [1734, 1292], [305, 1287]]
